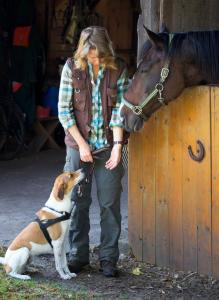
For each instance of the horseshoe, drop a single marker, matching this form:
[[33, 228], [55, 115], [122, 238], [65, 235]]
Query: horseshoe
[[200, 152]]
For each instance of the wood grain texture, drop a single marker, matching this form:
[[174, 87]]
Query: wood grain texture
[[177, 197]]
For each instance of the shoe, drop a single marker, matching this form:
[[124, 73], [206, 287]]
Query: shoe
[[76, 266], [108, 268]]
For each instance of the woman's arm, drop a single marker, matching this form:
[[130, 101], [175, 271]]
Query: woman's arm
[[116, 124], [66, 113], [84, 148], [116, 152]]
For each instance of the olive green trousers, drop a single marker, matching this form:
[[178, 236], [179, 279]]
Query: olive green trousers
[[109, 190]]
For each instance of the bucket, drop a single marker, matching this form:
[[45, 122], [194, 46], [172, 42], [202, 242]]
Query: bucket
[[50, 99]]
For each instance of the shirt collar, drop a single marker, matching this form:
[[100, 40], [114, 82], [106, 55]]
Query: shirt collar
[[100, 72]]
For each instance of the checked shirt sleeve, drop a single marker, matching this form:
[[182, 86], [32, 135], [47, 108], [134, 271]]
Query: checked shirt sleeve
[[65, 107], [122, 86]]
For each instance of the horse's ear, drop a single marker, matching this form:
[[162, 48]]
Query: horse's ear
[[156, 39], [163, 28]]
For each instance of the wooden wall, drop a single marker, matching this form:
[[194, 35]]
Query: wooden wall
[[190, 15], [173, 200], [117, 16], [178, 16]]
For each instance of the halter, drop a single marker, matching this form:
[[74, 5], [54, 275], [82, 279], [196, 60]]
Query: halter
[[138, 109]]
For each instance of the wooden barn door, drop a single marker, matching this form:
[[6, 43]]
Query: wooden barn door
[[173, 200], [215, 180]]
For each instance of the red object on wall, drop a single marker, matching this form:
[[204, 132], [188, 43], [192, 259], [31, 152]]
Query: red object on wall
[[21, 36], [16, 86], [42, 112]]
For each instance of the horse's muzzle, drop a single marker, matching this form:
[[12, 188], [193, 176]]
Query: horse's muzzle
[[132, 122]]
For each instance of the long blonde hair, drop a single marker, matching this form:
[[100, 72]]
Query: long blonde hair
[[95, 37]]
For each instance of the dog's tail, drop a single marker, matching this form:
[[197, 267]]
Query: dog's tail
[[2, 260]]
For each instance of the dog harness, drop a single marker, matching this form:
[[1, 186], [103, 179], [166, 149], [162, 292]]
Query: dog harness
[[44, 224]]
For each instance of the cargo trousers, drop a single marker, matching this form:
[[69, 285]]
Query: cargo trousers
[[109, 190]]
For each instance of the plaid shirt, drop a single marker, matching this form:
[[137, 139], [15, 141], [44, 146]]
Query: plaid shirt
[[97, 138]]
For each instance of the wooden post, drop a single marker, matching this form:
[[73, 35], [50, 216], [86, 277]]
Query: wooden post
[[150, 17]]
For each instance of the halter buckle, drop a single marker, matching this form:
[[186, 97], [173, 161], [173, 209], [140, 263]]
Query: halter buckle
[[137, 110], [159, 87], [161, 100], [164, 73]]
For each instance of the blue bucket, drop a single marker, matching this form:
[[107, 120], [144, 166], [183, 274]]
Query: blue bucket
[[50, 99]]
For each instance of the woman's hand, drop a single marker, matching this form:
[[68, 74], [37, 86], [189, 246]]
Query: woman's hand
[[85, 152], [115, 157]]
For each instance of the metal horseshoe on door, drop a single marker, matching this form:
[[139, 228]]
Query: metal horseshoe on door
[[200, 153]]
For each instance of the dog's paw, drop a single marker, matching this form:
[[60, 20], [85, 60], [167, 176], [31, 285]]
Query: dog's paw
[[65, 276], [19, 276], [26, 277], [73, 275]]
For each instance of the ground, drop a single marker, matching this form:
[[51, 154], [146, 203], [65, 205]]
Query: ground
[[136, 281], [24, 188]]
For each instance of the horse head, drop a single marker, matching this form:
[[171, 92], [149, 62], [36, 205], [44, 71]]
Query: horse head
[[153, 84]]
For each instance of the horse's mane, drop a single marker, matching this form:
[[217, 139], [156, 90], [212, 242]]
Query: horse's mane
[[200, 48]]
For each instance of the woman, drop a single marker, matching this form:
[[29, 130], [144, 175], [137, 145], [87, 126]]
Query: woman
[[91, 89]]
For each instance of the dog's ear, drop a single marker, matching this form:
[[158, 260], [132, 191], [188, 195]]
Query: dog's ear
[[59, 191]]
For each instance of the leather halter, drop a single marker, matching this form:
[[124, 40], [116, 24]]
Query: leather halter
[[138, 109]]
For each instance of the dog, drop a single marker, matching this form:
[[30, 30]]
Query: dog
[[35, 240]]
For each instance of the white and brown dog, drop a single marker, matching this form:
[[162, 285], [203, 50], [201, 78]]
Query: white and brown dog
[[36, 240]]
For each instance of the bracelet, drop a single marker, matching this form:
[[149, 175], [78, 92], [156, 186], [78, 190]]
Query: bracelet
[[118, 143]]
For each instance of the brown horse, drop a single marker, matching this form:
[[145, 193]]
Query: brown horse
[[169, 63]]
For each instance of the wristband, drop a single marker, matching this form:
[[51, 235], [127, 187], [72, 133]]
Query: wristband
[[118, 143]]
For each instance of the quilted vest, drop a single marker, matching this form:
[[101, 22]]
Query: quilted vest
[[82, 100]]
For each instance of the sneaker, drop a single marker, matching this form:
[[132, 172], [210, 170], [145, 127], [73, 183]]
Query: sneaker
[[76, 266], [108, 268]]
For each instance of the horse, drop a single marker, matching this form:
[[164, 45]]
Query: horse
[[168, 64]]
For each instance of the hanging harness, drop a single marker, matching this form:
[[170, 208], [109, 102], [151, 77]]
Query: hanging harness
[[44, 224]]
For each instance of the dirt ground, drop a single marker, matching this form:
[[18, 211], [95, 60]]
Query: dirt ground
[[148, 282], [32, 180]]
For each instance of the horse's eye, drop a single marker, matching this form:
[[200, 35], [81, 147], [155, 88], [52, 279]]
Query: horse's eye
[[144, 70]]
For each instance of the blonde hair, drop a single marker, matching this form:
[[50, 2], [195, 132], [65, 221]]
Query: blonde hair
[[97, 38]]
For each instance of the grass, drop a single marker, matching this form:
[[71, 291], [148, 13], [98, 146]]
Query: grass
[[14, 289]]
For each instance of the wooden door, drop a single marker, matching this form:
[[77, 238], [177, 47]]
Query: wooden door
[[215, 179], [171, 221]]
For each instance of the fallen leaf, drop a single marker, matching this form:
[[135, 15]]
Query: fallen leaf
[[136, 271]]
